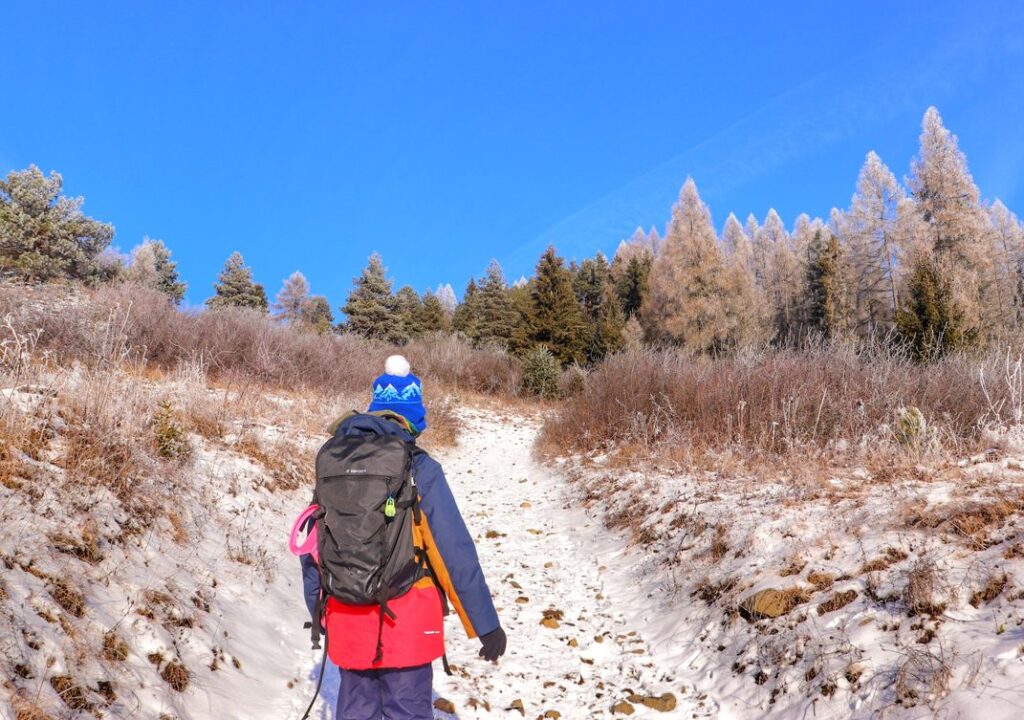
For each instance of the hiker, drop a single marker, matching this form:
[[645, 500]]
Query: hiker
[[385, 649]]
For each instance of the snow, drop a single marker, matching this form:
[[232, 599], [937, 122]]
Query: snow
[[627, 624]]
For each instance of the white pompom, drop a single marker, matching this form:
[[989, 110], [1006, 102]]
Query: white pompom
[[397, 365]]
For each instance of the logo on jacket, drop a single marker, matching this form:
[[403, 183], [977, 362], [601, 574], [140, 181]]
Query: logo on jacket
[[389, 393]]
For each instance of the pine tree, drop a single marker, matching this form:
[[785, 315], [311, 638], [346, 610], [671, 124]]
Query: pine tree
[[235, 287], [432, 318], [521, 297], [290, 302], [466, 317], [932, 324], [371, 308], [409, 309], [596, 293], [44, 235], [317, 315], [632, 282], [823, 311], [496, 317], [558, 323], [151, 265], [689, 300]]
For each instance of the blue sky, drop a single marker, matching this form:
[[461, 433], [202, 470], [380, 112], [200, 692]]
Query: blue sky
[[308, 134]]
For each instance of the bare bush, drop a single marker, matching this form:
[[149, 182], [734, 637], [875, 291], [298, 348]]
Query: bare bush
[[127, 323], [776, 403]]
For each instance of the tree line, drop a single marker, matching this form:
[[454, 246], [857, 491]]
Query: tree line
[[923, 264]]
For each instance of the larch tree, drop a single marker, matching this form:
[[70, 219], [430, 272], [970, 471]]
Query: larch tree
[[877, 241], [690, 302], [290, 302], [235, 287], [752, 318], [961, 238], [558, 322], [1009, 235], [446, 296], [370, 308], [782, 274], [151, 266], [46, 236]]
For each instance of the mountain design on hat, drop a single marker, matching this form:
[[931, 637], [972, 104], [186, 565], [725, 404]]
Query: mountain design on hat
[[401, 392]]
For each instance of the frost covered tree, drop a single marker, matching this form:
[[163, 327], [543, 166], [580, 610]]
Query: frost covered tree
[[371, 307], [290, 302], [151, 266], [235, 287], [877, 234], [955, 225], [691, 301], [1009, 267], [446, 296], [45, 236], [781, 274]]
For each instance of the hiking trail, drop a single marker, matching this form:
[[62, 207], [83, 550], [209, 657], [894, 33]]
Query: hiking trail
[[572, 652]]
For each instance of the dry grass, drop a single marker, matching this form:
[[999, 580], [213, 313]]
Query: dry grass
[[837, 601], [924, 590], [234, 347], [993, 588], [971, 520], [827, 401], [176, 675], [922, 677]]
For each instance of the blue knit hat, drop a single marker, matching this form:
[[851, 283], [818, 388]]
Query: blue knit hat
[[401, 392]]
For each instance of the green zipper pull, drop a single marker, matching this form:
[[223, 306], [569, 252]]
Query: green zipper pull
[[389, 507]]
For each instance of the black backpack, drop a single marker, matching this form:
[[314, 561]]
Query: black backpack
[[368, 505]]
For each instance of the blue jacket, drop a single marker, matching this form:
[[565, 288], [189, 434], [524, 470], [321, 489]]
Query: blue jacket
[[458, 567]]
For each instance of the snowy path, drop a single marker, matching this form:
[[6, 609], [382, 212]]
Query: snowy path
[[540, 555]]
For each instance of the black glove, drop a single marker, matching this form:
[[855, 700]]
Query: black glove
[[493, 644]]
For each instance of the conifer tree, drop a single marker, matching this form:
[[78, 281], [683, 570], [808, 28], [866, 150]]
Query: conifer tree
[[44, 235], [496, 317], [632, 282], [690, 302], [961, 239], [782, 274], [466, 317], [521, 297], [1009, 267], [446, 296], [317, 315], [151, 265], [371, 308], [823, 309], [235, 287], [558, 323], [291, 300], [409, 309], [432, 315], [932, 323]]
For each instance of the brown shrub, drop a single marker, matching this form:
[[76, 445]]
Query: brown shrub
[[176, 675], [993, 589], [922, 677], [70, 692], [66, 595], [126, 323], [971, 520], [922, 593], [115, 649], [774, 403], [837, 601]]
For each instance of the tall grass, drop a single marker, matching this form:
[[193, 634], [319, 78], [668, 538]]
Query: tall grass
[[828, 397]]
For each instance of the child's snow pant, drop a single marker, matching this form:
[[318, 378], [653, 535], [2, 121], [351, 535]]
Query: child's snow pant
[[396, 694]]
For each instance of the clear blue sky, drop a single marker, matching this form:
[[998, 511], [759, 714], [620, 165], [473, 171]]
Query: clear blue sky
[[308, 134]]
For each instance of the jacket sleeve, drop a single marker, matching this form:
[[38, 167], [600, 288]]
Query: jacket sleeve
[[452, 552], [310, 582]]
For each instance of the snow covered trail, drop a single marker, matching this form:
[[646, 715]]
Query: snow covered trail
[[544, 560]]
